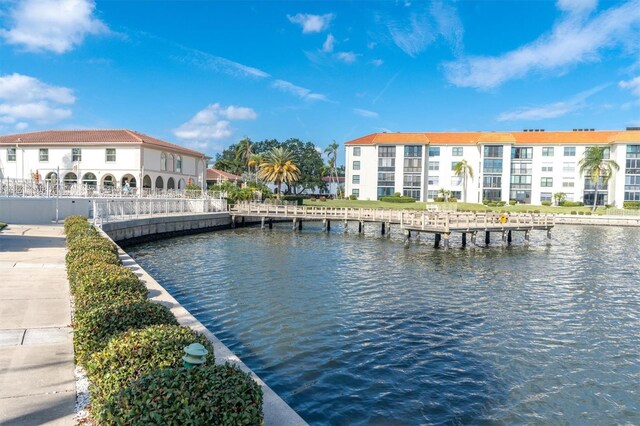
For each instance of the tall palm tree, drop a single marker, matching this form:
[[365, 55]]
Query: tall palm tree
[[462, 168], [332, 157], [255, 161], [597, 167], [244, 151], [278, 167]]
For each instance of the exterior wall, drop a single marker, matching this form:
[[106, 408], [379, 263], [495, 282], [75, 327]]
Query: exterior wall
[[563, 170], [192, 168]]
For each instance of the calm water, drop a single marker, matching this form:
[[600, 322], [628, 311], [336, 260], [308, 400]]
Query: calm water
[[355, 329]]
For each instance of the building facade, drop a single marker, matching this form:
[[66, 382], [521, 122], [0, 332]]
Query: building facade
[[104, 160], [528, 166]]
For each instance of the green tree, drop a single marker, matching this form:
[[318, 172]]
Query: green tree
[[559, 198], [229, 162], [598, 168], [464, 170], [332, 156], [244, 151], [309, 161], [278, 167]]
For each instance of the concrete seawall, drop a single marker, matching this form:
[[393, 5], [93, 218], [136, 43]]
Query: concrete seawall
[[566, 219]]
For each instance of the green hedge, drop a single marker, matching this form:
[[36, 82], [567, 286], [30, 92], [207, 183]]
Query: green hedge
[[572, 204], [217, 395], [94, 328], [76, 267], [88, 244], [298, 199], [400, 199], [634, 205], [135, 353], [102, 284]]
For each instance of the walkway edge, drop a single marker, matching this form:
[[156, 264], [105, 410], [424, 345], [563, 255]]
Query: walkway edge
[[276, 411]]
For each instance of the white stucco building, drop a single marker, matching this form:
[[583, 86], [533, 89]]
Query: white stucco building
[[528, 166], [101, 159]]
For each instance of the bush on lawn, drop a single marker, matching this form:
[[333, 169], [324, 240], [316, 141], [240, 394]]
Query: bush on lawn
[[94, 328], [104, 283], [76, 267], [216, 395], [135, 353]]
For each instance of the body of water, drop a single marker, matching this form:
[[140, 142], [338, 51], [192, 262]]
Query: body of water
[[352, 329]]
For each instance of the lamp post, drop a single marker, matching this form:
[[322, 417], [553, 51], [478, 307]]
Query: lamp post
[[195, 355]]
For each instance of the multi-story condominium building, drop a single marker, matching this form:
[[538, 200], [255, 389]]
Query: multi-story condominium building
[[528, 166], [100, 159]]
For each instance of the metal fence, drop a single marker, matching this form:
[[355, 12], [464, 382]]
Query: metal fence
[[109, 210]]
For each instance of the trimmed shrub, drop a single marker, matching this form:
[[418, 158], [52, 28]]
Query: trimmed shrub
[[453, 200], [104, 284], [536, 211], [512, 202], [581, 213], [93, 329], [572, 204], [130, 355], [634, 205], [71, 221], [398, 199], [353, 197], [574, 212], [438, 199], [501, 203], [485, 202], [87, 244], [85, 260], [546, 203], [299, 200], [217, 395]]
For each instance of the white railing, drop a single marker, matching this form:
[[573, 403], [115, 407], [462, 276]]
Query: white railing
[[109, 210]]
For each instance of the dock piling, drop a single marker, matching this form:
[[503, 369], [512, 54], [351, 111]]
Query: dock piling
[[446, 240], [382, 229], [346, 226], [487, 237], [464, 239], [436, 243]]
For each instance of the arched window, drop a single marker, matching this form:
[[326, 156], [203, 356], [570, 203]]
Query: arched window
[[108, 182], [70, 179], [163, 161], [171, 162], [171, 184], [90, 180], [146, 182], [51, 177], [181, 184], [159, 182], [178, 164]]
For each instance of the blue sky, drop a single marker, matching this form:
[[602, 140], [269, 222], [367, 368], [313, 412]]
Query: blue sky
[[204, 74]]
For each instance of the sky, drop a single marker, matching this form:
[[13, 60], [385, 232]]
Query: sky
[[205, 74]]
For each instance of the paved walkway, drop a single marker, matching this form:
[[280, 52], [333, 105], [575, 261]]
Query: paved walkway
[[37, 385]]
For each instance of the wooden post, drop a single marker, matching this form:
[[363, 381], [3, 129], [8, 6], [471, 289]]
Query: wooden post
[[328, 225], [262, 222], [436, 243], [474, 236], [270, 223], [382, 229], [509, 237], [526, 238], [294, 223], [446, 240], [346, 225], [487, 237], [464, 239], [407, 236], [324, 225], [300, 225], [388, 229], [549, 236], [504, 238], [233, 222], [360, 226]]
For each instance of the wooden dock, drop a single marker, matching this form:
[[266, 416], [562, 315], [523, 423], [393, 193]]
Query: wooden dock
[[440, 223]]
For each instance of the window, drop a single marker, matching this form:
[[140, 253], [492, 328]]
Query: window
[[492, 181], [493, 151], [44, 154], [76, 154], [386, 179], [492, 194], [545, 196], [569, 151], [520, 182], [547, 151], [178, 164], [433, 180], [568, 183], [413, 151], [386, 164], [413, 193], [355, 192], [385, 192], [547, 167], [456, 194], [412, 165], [170, 163], [434, 165], [355, 179], [11, 154], [546, 182], [432, 194], [568, 167], [522, 153], [456, 181], [521, 168], [163, 161], [387, 151], [492, 166], [412, 180], [110, 154], [356, 165], [633, 151], [456, 151], [434, 151], [356, 151]]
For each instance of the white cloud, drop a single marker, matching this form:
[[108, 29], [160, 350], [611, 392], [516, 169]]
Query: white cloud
[[327, 46], [577, 6], [212, 123], [575, 39], [24, 98], [220, 64], [365, 113], [311, 23], [347, 57], [54, 25], [633, 85], [414, 37], [377, 62], [298, 91], [554, 110]]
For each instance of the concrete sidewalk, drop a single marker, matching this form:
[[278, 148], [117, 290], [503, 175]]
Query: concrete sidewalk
[[37, 385]]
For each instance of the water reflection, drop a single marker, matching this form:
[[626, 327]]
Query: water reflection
[[353, 329]]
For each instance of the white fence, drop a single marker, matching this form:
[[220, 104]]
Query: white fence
[[124, 209]]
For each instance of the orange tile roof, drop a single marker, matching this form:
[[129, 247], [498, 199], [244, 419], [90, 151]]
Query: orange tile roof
[[519, 138], [101, 137], [215, 174]]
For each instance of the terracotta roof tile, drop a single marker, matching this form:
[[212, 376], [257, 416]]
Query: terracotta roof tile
[[215, 174], [70, 137], [520, 138]]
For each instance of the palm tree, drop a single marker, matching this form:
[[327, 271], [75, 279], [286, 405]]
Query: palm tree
[[255, 161], [244, 151], [462, 168], [278, 167], [598, 168], [332, 156]]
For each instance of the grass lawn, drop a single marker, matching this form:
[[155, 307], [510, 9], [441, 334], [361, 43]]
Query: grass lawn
[[362, 204]]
